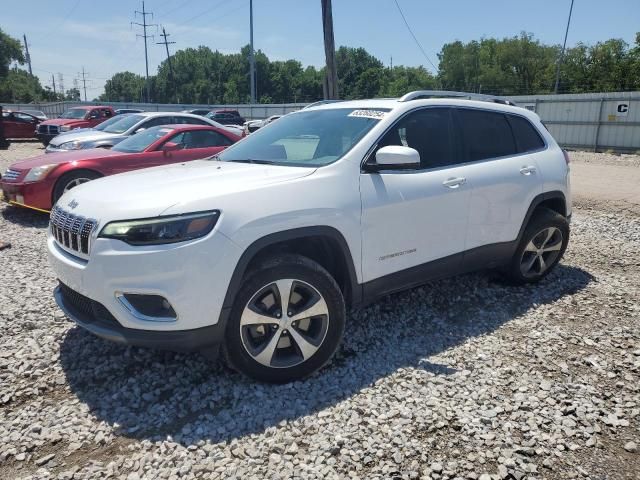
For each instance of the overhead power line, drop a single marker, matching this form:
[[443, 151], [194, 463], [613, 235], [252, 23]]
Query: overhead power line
[[144, 35], [414, 37]]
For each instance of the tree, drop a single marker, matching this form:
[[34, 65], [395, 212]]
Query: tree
[[73, 94], [10, 51], [123, 87]]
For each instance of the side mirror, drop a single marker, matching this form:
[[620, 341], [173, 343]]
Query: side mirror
[[141, 129], [395, 157], [171, 147]]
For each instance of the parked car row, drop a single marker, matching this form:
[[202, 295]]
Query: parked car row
[[95, 142]]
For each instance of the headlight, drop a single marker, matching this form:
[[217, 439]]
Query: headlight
[[70, 146], [64, 128], [38, 173], [161, 230]]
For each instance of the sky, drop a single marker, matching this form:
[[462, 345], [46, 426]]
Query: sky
[[66, 35]]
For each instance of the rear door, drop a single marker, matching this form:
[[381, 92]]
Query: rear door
[[503, 173], [10, 124]]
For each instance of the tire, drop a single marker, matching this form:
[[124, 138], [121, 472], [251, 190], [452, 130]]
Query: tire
[[287, 348], [64, 182], [542, 246]]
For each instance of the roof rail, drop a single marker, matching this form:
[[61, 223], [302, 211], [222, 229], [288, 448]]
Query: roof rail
[[421, 94]]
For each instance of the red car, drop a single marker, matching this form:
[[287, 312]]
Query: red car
[[38, 182], [19, 124], [76, 117]]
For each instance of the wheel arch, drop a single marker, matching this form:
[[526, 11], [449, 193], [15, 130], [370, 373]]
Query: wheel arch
[[68, 172], [554, 200], [323, 244]]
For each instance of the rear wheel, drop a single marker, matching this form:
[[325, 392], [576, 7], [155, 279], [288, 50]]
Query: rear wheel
[[287, 321], [541, 248], [71, 180]]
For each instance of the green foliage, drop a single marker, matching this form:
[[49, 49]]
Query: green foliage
[[20, 87], [522, 65], [123, 87], [10, 51]]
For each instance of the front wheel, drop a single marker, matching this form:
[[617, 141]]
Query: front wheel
[[71, 180], [542, 245], [287, 320]]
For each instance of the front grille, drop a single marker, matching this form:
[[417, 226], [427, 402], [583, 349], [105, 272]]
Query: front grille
[[72, 231], [11, 175], [91, 309], [49, 129]]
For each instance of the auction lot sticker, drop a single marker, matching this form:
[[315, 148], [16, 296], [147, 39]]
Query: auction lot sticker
[[375, 114]]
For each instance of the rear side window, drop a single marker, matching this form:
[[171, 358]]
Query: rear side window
[[486, 135], [191, 121], [527, 137]]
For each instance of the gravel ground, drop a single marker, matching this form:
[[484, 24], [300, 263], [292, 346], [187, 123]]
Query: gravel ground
[[463, 378]]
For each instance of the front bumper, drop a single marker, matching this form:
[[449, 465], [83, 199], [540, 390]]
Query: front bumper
[[45, 137], [101, 323], [34, 195], [192, 276]]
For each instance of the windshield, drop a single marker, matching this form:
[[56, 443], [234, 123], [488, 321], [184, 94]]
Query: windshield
[[101, 126], [120, 124], [74, 113], [310, 139], [140, 141]]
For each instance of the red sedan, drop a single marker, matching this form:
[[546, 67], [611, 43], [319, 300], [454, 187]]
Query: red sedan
[[19, 124], [38, 182]]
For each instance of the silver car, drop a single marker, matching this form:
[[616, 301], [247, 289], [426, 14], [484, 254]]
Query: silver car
[[116, 129]]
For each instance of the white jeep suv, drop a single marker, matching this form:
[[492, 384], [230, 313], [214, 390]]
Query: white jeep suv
[[262, 249]]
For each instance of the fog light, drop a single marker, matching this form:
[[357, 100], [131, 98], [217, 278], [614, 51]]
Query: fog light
[[152, 308]]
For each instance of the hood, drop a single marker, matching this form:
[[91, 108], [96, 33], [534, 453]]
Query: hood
[[150, 192], [82, 135], [63, 157], [62, 121]]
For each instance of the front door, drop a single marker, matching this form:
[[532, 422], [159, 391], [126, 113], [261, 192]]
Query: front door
[[413, 217]]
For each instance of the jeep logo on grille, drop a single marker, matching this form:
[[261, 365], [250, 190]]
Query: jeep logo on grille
[[72, 204]]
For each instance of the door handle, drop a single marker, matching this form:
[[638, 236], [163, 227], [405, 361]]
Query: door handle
[[528, 170], [454, 182]]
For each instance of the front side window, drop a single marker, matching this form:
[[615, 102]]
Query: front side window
[[486, 134], [154, 122], [141, 141], [429, 132], [74, 113], [527, 137], [310, 138], [205, 139]]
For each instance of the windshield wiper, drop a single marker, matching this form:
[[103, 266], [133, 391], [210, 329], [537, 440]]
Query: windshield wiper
[[253, 160]]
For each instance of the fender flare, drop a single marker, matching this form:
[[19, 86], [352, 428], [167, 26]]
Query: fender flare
[[287, 235], [535, 203]]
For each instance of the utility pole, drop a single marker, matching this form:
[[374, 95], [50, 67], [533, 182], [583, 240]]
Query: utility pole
[[144, 35], [564, 46], [26, 53], [252, 60], [84, 82], [173, 78], [329, 51], [53, 81]]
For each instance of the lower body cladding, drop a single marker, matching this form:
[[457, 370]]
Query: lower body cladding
[[166, 296]]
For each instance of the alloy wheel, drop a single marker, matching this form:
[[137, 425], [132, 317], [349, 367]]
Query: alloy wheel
[[284, 323], [541, 252], [74, 183]]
